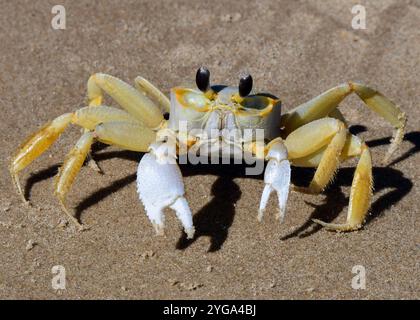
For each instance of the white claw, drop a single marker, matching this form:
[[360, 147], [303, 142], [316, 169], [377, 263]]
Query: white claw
[[160, 186], [276, 177], [264, 199], [183, 213]]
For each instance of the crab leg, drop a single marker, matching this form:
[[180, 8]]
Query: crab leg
[[130, 99], [326, 131], [153, 93], [324, 105], [160, 186], [41, 140], [276, 178], [35, 145], [360, 196], [327, 138], [132, 136], [128, 135], [352, 148], [106, 124], [71, 166], [89, 117]]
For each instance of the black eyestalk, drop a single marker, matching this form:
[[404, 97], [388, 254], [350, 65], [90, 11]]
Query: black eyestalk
[[245, 85], [202, 79]]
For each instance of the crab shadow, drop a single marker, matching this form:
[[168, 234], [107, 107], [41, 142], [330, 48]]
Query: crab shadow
[[389, 182], [215, 218]]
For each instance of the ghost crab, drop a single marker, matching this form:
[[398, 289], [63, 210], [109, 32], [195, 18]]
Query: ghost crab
[[313, 134]]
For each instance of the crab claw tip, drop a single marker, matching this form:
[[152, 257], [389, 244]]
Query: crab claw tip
[[190, 232], [260, 215]]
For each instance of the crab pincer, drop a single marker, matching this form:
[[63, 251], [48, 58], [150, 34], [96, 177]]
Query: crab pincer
[[276, 178], [160, 186]]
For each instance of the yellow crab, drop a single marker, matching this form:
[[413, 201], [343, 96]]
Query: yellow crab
[[210, 121]]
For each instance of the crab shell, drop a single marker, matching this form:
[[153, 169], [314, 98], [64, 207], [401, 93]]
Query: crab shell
[[222, 108]]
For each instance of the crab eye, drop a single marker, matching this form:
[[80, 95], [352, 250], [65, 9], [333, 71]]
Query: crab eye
[[202, 79], [245, 85]]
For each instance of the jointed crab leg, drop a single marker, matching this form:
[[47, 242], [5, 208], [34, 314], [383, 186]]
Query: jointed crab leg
[[134, 102], [35, 145], [145, 87], [352, 148], [89, 117], [128, 135], [109, 125], [328, 131], [324, 104], [132, 136], [40, 141], [332, 133], [360, 196], [70, 168]]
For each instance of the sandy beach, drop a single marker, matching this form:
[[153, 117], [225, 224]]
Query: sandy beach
[[294, 50]]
